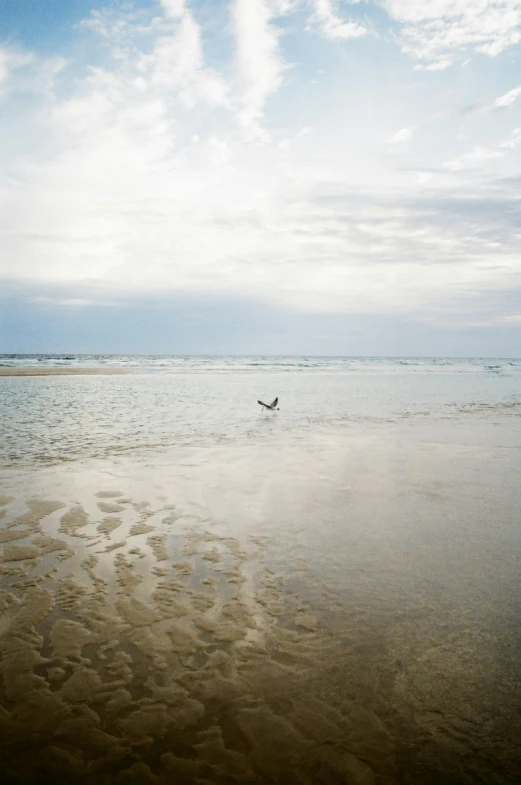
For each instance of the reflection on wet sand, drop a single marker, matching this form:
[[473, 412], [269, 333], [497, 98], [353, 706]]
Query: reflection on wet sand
[[356, 627], [163, 658]]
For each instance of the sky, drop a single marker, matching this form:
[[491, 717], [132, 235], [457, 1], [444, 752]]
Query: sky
[[261, 176]]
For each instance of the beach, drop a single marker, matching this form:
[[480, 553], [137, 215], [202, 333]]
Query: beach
[[248, 596]]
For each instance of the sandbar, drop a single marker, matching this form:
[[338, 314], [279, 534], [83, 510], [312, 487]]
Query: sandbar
[[59, 371]]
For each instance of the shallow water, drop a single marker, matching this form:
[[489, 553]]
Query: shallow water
[[329, 593], [48, 419]]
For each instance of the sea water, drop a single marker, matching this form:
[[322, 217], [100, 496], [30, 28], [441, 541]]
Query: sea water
[[197, 589], [176, 401]]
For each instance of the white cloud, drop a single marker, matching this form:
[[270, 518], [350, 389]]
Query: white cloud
[[283, 7], [10, 60], [359, 256], [507, 99], [172, 65], [331, 25], [422, 178], [403, 135], [148, 175], [219, 151], [438, 65], [77, 302], [173, 8], [432, 30], [514, 140], [176, 63], [476, 158], [259, 62], [22, 70]]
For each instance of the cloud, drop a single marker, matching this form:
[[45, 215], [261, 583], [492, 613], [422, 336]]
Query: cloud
[[259, 63], [422, 178], [219, 151], [434, 30], [332, 26], [176, 63], [10, 61], [474, 159], [403, 135], [439, 65], [22, 70], [320, 250], [165, 167], [173, 8], [507, 99], [514, 140], [77, 302]]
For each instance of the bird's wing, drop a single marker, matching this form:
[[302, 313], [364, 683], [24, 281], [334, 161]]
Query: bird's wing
[[263, 404], [275, 402]]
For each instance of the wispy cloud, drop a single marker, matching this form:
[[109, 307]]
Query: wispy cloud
[[513, 141], [21, 70], [507, 99], [438, 65], [174, 8], [10, 61], [475, 158], [259, 62], [403, 135], [440, 29], [176, 62], [332, 26], [178, 160]]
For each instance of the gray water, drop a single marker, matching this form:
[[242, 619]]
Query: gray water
[[179, 401], [196, 590]]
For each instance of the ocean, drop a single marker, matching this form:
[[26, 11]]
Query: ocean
[[195, 589], [178, 401]]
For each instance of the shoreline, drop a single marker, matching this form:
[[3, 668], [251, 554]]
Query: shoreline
[[59, 371]]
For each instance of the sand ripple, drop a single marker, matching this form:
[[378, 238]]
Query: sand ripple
[[198, 670]]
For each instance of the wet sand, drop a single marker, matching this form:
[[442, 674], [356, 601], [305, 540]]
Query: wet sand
[[60, 371], [307, 612]]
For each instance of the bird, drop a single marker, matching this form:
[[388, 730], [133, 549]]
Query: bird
[[271, 406]]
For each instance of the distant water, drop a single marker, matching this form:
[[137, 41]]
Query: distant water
[[172, 401], [148, 363]]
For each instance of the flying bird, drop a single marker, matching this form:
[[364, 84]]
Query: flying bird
[[270, 406]]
